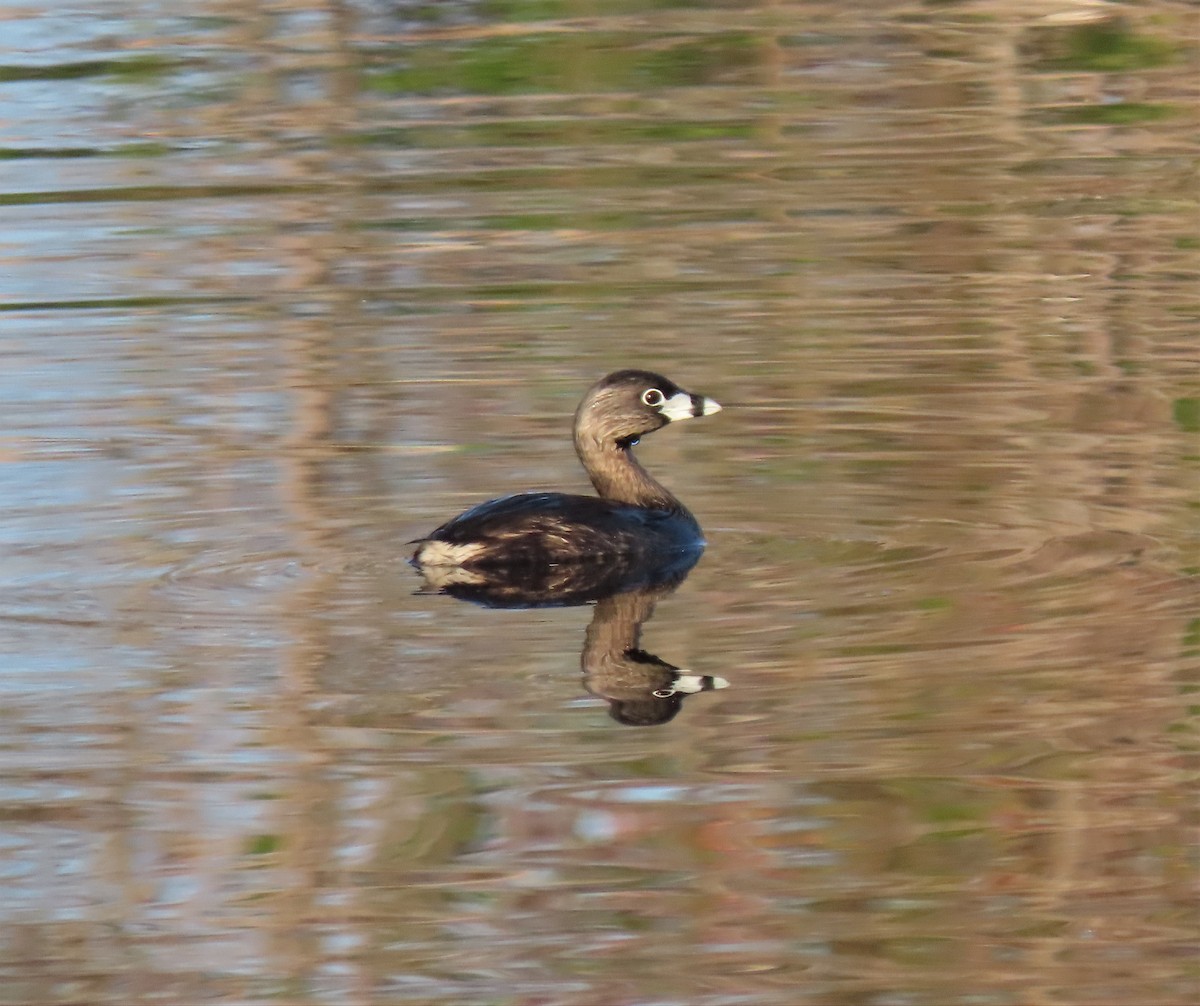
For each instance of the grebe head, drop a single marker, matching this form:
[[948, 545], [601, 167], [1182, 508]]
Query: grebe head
[[628, 404]]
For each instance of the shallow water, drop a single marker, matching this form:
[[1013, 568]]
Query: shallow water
[[283, 286]]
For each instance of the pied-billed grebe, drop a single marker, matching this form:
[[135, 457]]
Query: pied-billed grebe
[[633, 515]]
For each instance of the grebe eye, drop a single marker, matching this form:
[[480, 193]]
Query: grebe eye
[[653, 397]]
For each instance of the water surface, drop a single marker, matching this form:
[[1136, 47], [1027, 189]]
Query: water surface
[[283, 286]]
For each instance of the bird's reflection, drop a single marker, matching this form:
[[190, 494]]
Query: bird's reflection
[[640, 688]]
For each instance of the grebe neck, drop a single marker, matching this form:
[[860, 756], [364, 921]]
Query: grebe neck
[[616, 475]]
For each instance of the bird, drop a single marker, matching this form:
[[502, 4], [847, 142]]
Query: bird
[[633, 517]]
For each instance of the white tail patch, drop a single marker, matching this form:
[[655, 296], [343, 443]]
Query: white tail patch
[[441, 577], [443, 553]]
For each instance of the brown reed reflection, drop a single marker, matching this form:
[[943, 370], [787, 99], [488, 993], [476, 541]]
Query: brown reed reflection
[[640, 688]]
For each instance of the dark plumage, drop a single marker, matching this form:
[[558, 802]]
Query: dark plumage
[[633, 515]]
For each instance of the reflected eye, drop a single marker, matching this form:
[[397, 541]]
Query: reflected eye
[[653, 397]]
